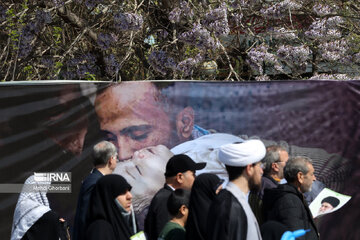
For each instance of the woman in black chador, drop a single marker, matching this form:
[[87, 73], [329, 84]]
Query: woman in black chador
[[203, 192], [110, 214]]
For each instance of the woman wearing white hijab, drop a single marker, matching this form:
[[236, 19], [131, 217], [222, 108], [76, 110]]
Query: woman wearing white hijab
[[33, 218]]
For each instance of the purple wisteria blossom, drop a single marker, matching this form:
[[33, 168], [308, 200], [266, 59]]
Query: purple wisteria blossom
[[178, 12], [161, 63], [112, 65], [92, 3], [330, 77], [58, 3], [281, 9], [47, 62], [262, 78], [294, 56], [334, 50], [128, 21], [187, 66], [28, 33], [244, 3], [199, 37], [259, 56], [325, 28], [283, 34], [334, 21], [356, 58], [237, 18], [79, 67], [175, 15], [105, 41], [322, 10], [216, 21]]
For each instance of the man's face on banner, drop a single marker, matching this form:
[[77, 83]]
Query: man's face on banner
[[132, 117], [325, 208]]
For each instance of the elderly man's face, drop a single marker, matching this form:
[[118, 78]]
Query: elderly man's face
[[308, 179], [284, 157], [325, 208], [132, 118]]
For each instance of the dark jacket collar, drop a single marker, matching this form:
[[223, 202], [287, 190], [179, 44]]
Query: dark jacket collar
[[167, 187], [271, 179], [97, 172]]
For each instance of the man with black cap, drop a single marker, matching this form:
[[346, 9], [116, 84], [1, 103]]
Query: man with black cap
[[179, 173], [230, 216]]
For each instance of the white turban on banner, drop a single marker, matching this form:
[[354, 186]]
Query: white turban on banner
[[242, 154]]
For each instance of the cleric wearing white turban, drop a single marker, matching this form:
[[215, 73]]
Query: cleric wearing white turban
[[243, 153], [230, 216]]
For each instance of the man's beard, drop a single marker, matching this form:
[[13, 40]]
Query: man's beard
[[254, 187]]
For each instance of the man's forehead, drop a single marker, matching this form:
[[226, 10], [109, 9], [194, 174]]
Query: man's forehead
[[125, 99], [129, 92]]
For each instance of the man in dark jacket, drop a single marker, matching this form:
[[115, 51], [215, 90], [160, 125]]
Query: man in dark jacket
[[286, 203], [273, 166], [180, 173], [230, 216], [104, 160]]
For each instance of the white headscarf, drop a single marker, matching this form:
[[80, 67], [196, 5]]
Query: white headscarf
[[31, 206], [242, 154]]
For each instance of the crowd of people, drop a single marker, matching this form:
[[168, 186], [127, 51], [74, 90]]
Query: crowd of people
[[255, 203]]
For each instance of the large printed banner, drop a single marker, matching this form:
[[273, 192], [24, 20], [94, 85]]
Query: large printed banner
[[48, 128]]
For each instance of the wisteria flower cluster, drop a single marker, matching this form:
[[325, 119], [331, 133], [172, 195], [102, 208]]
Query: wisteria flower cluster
[[262, 78], [47, 62], [161, 63], [92, 3], [128, 21], [325, 28], [237, 18], [330, 77], [80, 67], [216, 21], [283, 34], [199, 37], [244, 3], [356, 58], [30, 30], [294, 56], [280, 9], [187, 66], [105, 40], [183, 11], [334, 50], [323, 10], [58, 3], [112, 65], [258, 56]]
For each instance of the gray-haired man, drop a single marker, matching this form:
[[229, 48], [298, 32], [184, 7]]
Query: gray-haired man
[[286, 203], [104, 161]]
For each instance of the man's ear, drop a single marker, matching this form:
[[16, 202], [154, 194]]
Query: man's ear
[[185, 123], [179, 178], [249, 169], [300, 177], [274, 167], [111, 161]]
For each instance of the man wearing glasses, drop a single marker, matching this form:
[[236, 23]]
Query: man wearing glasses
[[273, 166]]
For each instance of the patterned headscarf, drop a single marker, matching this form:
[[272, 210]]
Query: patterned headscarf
[[31, 206]]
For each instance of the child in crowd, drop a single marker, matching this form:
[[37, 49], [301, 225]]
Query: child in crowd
[[178, 206]]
